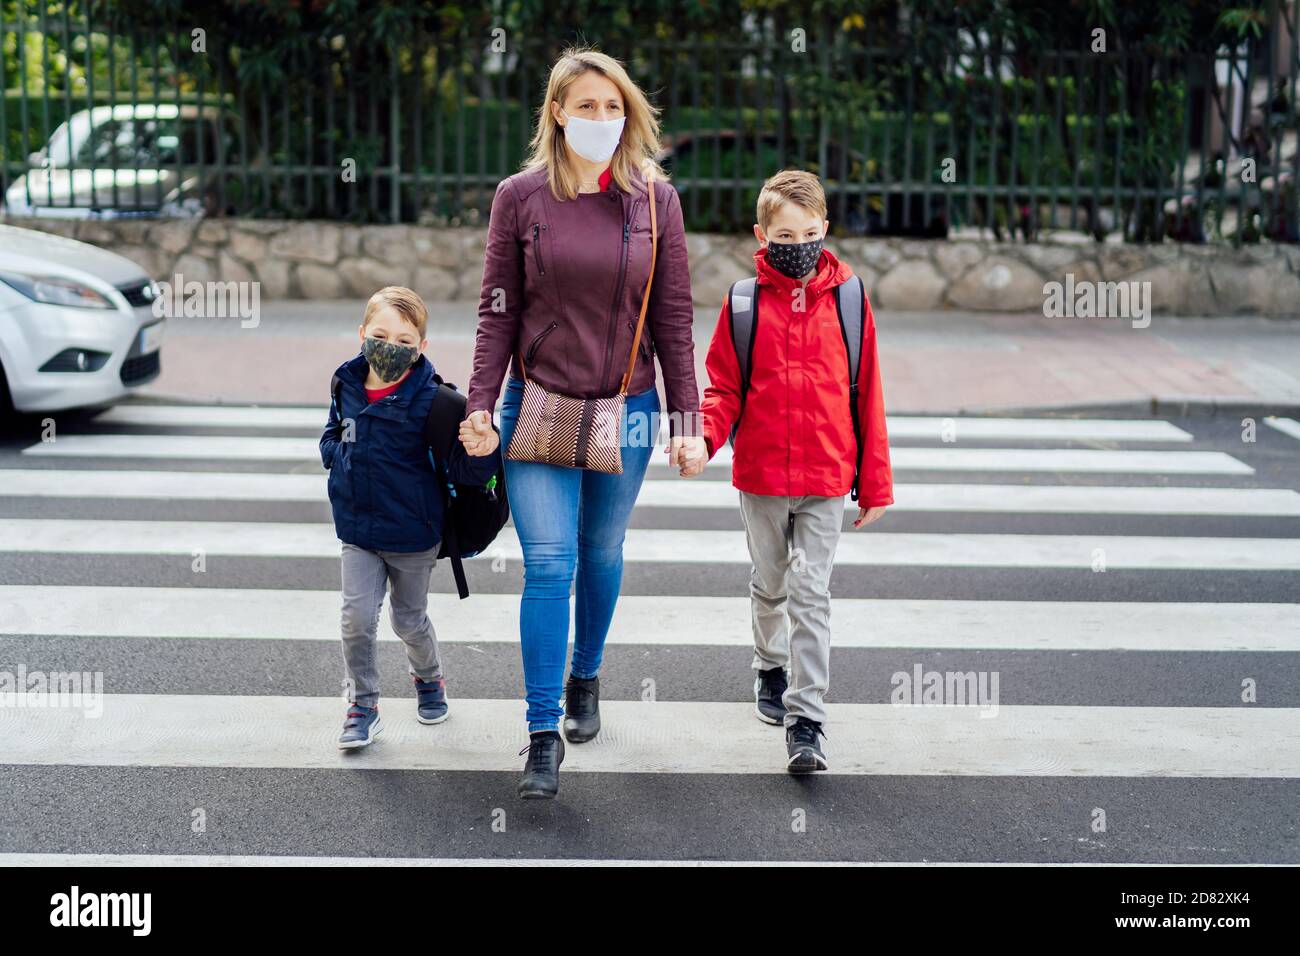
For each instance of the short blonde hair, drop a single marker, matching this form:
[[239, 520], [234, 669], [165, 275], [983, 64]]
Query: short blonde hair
[[791, 185], [638, 146], [404, 301]]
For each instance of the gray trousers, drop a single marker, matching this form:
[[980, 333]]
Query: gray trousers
[[792, 547], [366, 575]]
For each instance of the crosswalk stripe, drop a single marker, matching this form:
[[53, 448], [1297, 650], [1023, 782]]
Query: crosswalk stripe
[[1082, 460], [308, 540], [148, 730], [1067, 459], [269, 614], [215, 416], [960, 428], [931, 427], [185, 447], [163, 485], [264, 448], [1287, 426], [1055, 499]]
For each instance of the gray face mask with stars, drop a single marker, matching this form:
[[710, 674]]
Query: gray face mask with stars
[[794, 259]]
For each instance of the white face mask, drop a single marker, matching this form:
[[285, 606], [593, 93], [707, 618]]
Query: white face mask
[[594, 140]]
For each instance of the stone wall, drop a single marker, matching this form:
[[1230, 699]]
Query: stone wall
[[322, 260]]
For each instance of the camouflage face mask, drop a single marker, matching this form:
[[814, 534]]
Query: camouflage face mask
[[388, 360]]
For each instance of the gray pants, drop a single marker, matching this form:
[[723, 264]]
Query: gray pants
[[406, 575], [792, 546]]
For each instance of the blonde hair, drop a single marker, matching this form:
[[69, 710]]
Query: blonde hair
[[404, 302], [791, 185], [637, 147]]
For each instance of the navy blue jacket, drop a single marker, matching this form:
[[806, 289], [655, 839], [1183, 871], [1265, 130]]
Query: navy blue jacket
[[383, 488]]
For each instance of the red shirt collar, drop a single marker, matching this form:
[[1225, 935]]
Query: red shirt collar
[[375, 394], [604, 179]]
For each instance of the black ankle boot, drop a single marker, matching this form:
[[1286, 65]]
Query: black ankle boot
[[541, 779], [581, 709]]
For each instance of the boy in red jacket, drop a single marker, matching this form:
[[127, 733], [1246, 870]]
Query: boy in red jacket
[[796, 453]]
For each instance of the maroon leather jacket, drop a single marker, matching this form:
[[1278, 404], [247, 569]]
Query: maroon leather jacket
[[563, 280]]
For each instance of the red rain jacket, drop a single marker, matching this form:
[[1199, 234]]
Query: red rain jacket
[[796, 435]]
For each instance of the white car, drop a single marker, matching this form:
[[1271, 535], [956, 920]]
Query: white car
[[130, 160], [77, 326]]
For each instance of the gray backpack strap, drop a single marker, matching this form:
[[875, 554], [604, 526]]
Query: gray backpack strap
[[742, 302], [849, 298], [848, 301]]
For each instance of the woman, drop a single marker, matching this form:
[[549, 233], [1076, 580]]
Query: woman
[[568, 258]]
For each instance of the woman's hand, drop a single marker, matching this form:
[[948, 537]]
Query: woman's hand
[[477, 434], [868, 515], [689, 454]]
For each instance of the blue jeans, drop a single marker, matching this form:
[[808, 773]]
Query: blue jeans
[[571, 519]]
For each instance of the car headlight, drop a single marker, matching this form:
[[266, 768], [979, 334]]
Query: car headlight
[[56, 290]]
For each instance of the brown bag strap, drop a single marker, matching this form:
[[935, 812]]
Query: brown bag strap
[[645, 300]]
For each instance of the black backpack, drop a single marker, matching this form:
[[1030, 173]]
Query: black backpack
[[850, 298], [473, 515]]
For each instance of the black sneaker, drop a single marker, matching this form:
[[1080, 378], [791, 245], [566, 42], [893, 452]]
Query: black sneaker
[[541, 780], [801, 744], [769, 688], [581, 709]]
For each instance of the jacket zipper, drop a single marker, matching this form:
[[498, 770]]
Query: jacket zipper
[[537, 341], [537, 247], [618, 293], [644, 346]]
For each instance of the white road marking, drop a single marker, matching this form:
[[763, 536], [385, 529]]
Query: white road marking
[[317, 540], [146, 730], [675, 621]]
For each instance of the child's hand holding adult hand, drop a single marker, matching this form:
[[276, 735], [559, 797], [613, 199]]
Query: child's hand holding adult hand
[[477, 434], [689, 454], [693, 466], [868, 515]]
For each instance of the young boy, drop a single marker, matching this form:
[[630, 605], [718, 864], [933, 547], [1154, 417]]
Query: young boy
[[796, 451], [387, 503]]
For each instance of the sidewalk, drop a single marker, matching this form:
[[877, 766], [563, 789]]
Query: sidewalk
[[941, 362]]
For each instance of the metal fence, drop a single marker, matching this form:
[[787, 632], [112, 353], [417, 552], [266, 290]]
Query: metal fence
[[923, 137]]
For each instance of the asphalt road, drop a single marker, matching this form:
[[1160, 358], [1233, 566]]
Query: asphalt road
[[214, 714]]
